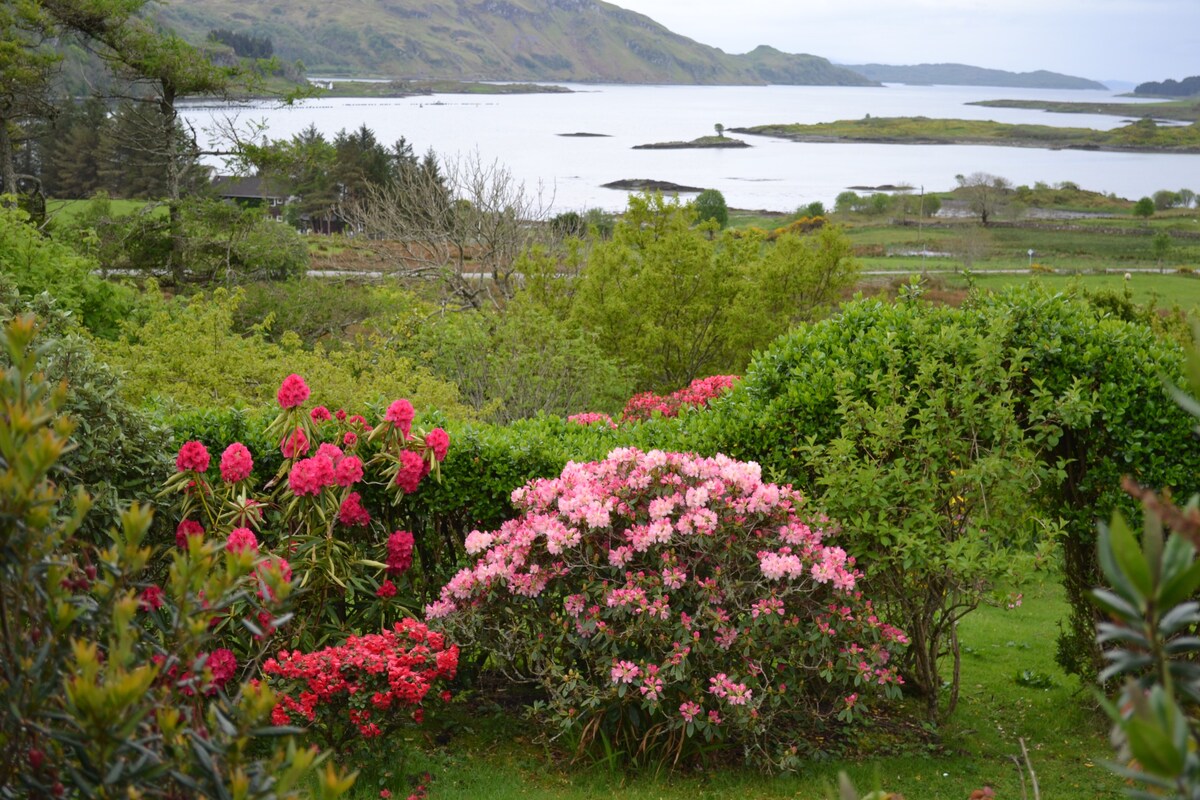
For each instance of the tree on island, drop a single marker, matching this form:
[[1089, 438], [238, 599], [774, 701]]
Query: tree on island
[[986, 194], [720, 129]]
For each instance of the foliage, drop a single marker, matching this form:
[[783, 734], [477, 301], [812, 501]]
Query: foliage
[[516, 363], [697, 394], [228, 243], [930, 472], [1088, 397], [1170, 87], [710, 205], [321, 504], [677, 305], [188, 353], [1144, 208], [986, 195], [113, 686], [365, 687], [34, 264], [660, 597]]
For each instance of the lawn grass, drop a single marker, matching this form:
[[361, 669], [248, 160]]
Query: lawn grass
[[496, 755], [68, 211]]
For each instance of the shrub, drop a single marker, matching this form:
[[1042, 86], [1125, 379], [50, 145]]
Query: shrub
[[697, 394], [658, 598], [111, 685], [319, 504], [34, 264], [364, 688], [710, 205]]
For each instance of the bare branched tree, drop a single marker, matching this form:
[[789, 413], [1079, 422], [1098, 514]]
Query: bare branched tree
[[463, 222]]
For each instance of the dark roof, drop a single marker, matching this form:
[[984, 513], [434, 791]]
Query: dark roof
[[250, 187]]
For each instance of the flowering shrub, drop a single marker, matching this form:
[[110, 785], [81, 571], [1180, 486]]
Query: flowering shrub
[[697, 394], [112, 684], [667, 596], [592, 418], [363, 688], [315, 509]]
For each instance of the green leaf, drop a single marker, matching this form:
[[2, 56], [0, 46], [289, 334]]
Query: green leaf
[[1122, 562]]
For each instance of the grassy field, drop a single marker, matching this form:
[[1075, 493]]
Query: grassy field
[[1012, 690], [1187, 110], [67, 211]]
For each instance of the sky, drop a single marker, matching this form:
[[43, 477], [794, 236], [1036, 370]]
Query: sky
[[1130, 40]]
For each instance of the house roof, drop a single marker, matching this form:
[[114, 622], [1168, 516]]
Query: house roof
[[248, 187]]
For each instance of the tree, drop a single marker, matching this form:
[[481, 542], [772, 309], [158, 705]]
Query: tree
[[1187, 198], [463, 223], [1166, 199], [986, 194], [710, 205], [720, 129], [27, 66], [1144, 208], [168, 69], [1162, 246]]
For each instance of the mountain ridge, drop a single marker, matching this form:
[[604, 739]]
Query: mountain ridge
[[503, 40], [966, 75]]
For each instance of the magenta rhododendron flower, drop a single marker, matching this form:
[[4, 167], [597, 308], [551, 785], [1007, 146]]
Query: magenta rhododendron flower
[[352, 512], [151, 598], [350, 439], [192, 456], [223, 665], [412, 469], [400, 413], [349, 471], [438, 441], [236, 463], [310, 475], [186, 529], [320, 414], [399, 552], [295, 444], [386, 589], [696, 395], [292, 392], [241, 540], [330, 451]]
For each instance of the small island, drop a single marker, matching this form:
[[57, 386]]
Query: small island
[[701, 143], [1142, 136], [1177, 110], [586, 135], [649, 185]]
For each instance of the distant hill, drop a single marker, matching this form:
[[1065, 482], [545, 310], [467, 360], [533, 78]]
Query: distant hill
[[503, 40], [1188, 87], [966, 75]]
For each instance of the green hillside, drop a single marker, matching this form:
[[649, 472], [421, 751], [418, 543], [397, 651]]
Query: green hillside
[[510, 40], [966, 75]]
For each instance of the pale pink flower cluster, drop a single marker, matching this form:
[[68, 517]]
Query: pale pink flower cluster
[[736, 694], [624, 672]]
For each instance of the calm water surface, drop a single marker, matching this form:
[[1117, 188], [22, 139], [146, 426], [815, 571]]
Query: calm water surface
[[521, 132]]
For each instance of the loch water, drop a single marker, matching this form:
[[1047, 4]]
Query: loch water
[[524, 133]]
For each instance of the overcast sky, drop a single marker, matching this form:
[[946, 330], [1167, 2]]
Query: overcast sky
[[1132, 40]]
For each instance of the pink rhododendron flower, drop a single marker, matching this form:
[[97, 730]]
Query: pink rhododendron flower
[[349, 471], [320, 414], [350, 439], [330, 451], [624, 672], [292, 392], [236, 463], [185, 530], [192, 456], [386, 589], [274, 565], [294, 444], [689, 711], [241, 540], [399, 552], [400, 413], [438, 441], [412, 469], [592, 418], [352, 512]]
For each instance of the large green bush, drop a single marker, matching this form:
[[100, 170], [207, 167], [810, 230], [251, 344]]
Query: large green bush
[[34, 264], [1089, 397]]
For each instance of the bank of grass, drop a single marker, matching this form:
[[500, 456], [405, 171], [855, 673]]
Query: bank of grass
[[1012, 690]]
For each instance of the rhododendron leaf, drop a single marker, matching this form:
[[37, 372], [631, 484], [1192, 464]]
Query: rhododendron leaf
[[366, 562]]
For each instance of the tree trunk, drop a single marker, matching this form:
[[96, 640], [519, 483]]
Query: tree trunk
[[170, 143], [8, 171]]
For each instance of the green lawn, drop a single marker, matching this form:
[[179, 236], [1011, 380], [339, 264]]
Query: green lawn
[[66, 211], [496, 756]]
